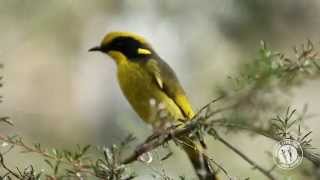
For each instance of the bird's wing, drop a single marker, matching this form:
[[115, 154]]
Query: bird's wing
[[169, 84]]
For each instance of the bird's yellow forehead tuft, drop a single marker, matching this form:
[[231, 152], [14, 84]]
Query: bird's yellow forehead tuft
[[112, 35]]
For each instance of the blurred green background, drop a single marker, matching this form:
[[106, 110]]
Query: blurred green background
[[59, 95]]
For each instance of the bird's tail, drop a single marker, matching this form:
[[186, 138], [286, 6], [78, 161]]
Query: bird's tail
[[199, 161]]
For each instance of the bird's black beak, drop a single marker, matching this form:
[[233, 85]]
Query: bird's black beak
[[96, 48]]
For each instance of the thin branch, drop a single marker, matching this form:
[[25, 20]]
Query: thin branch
[[245, 157], [26, 147], [8, 169], [156, 140], [76, 164]]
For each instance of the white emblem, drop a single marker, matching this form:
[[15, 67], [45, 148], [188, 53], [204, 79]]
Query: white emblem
[[287, 154]]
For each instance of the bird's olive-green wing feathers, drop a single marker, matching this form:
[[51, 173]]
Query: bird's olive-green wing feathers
[[169, 84]]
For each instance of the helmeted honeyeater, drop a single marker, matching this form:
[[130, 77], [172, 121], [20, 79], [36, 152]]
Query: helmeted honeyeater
[[145, 79]]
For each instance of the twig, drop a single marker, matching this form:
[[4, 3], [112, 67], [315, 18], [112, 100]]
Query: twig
[[207, 106], [79, 166], [8, 169], [245, 157], [156, 140], [26, 147]]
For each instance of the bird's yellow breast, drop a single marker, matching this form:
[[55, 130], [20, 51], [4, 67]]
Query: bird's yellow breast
[[142, 92]]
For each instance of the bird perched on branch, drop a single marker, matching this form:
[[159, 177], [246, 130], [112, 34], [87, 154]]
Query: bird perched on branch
[[145, 79]]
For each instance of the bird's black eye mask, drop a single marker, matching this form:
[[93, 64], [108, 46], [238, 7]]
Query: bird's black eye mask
[[131, 48]]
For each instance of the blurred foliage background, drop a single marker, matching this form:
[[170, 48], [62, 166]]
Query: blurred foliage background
[[58, 94]]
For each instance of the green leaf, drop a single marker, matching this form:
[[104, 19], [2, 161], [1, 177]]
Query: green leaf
[[85, 149], [56, 168]]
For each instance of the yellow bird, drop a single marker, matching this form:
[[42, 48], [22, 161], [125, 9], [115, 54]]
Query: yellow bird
[[145, 80]]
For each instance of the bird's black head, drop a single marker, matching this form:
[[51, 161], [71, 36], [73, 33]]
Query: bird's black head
[[132, 46]]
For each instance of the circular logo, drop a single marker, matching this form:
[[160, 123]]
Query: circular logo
[[287, 154]]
